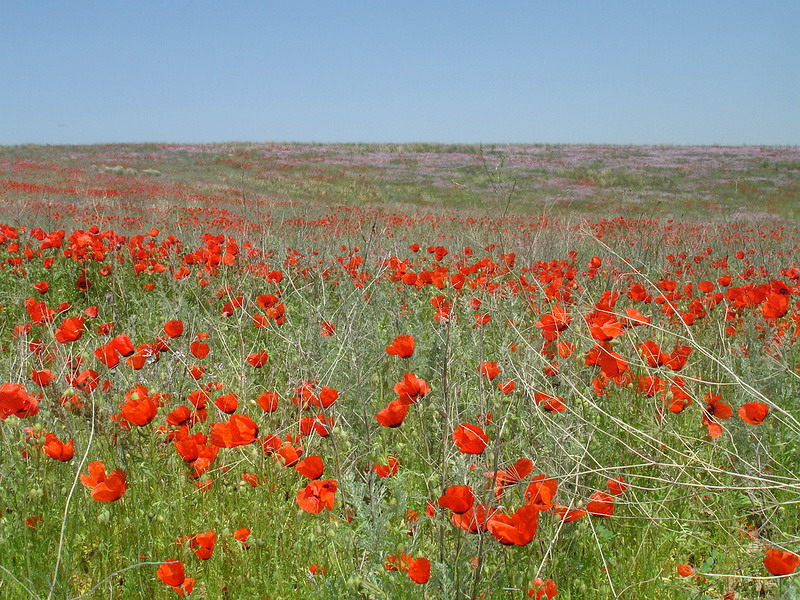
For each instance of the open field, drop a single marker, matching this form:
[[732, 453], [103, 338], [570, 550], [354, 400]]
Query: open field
[[423, 371]]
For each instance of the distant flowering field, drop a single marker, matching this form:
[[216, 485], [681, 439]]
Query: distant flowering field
[[399, 372]]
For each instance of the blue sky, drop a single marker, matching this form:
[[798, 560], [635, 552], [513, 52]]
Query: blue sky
[[605, 72]]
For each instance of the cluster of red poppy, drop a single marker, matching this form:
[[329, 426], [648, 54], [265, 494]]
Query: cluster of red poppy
[[621, 336]]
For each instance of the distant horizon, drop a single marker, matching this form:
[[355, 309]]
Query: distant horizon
[[469, 144]]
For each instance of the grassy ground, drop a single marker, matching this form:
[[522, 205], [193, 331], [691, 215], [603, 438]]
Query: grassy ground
[[564, 265]]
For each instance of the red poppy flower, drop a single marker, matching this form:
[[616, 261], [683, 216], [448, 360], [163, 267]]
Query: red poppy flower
[[489, 370], [327, 396], [507, 386], [781, 562], [227, 403], [419, 570], [568, 514], [199, 349], [470, 439], [685, 570], [105, 488], [753, 412], [504, 478], [107, 355], [202, 544], [541, 491], [268, 401], [617, 486], [241, 535], [43, 377], [601, 505], [310, 467], [122, 344], [288, 454], [393, 415], [173, 328], [15, 400], [327, 329], [258, 359], [139, 408], [543, 589], [549, 403], [475, 519], [402, 346], [172, 572], [458, 498], [239, 430], [396, 562], [518, 529], [411, 388], [715, 410], [387, 470], [58, 450], [70, 330], [317, 495]]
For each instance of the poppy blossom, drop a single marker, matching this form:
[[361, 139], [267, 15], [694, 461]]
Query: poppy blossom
[[507, 477], [173, 328], [490, 370], [202, 544], [458, 498], [715, 410], [15, 400], [617, 486], [753, 412], [139, 408], [58, 450], [396, 562], [781, 562], [543, 589], [227, 403], [518, 529], [268, 401], [105, 487], [288, 454], [411, 388], [172, 572], [475, 519], [310, 467], [601, 505], [43, 378], [199, 349], [327, 329], [541, 491], [70, 330], [387, 470], [258, 359], [241, 535], [122, 344], [685, 570], [507, 386], [393, 415], [568, 514], [402, 346], [419, 570], [239, 430], [317, 495], [470, 439]]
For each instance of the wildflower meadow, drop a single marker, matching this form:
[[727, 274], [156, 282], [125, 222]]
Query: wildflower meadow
[[377, 371]]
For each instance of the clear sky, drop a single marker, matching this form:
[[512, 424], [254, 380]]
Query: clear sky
[[562, 71]]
